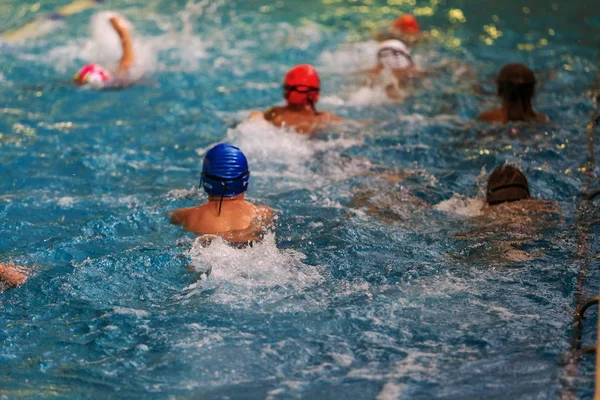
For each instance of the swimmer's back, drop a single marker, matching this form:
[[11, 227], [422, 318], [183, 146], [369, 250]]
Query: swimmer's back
[[499, 116], [239, 221], [303, 120]]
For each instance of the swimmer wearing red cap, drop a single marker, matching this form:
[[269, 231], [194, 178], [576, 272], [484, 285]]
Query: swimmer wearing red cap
[[405, 28], [12, 275], [301, 90], [225, 178], [516, 87], [96, 76]]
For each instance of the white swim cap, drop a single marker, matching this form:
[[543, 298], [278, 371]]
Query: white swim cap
[[394, 54]]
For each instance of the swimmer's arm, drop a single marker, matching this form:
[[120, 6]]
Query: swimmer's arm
[[328, 117], [11, 275], [542, 117], [271, 114], [492, 116], [128, 57], [179, 217]]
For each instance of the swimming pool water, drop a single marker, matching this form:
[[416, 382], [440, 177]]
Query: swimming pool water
[[337, 303]]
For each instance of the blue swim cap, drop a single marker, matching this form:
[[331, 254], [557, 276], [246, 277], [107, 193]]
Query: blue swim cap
[[225, 171]]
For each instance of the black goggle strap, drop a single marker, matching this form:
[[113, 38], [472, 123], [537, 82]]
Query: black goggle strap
[[514, 185], [296, 88], [223, 183], [311, 102], [396, 52]]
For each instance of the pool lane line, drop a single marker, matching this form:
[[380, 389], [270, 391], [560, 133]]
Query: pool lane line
[[583, 253], [594, 123], [597, 380], [31, 29]]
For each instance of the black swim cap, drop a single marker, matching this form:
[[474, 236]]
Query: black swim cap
[[516, 82], [507, 184]]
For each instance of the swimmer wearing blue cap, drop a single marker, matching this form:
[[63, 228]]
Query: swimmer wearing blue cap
[[225, 178], [12, 275]]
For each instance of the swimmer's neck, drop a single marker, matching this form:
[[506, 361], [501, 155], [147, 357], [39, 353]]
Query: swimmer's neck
[[239, 197], [518, 110]]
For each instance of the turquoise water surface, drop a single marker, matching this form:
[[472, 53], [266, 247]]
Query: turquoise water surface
[[338, 303]]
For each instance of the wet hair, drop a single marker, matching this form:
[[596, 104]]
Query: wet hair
[[516, 86], [507, 184]]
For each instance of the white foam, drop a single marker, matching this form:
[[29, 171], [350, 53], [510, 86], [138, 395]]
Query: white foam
[[391, 391], [350, 58], [367, 96], [462, 205], [280, 153], [182, 194], [131, 311], [179, 49], [66, 201], [257, 268]]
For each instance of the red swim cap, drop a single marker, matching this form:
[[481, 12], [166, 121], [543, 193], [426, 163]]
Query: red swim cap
[[301, 86], [407, 24]]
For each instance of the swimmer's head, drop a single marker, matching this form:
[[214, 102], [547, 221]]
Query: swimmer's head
[[507, 184], [516, 83], [407, 24], [225, 171], [91, 75], [301, 86], [393, 54]]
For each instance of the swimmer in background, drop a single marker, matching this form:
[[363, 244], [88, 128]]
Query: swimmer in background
[[516, 87], [405, 28], [96, 76], [301, 90], [511, 217], [395, 68], [12, 275], [225, 177]]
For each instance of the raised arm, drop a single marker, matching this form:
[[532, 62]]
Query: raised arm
[[128, 57], [11, 275]]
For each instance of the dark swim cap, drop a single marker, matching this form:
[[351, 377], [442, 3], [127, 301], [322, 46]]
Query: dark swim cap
[[225, 171], [507, 184], [516, 81]]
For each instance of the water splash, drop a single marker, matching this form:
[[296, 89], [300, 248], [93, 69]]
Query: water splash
[[240, 274], [286, 156], [462, 205]]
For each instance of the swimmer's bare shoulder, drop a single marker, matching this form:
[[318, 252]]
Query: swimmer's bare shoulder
[[534, 210], [187, 217], [179, 216], [492, 116], [274, 113], [261, 222], [329, 117]]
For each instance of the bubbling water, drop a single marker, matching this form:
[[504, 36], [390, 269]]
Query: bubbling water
[[283, 158], [241, 274]]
